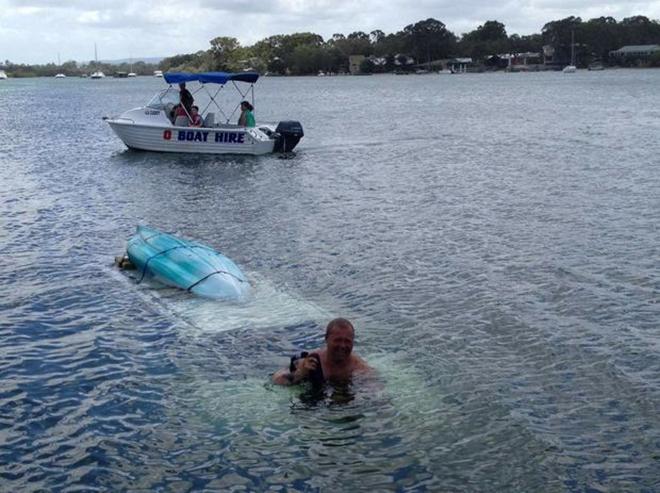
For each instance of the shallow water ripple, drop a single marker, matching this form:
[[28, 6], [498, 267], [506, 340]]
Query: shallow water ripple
[[497, 250]]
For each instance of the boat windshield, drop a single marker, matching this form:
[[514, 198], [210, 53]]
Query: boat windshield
[[163, 98]]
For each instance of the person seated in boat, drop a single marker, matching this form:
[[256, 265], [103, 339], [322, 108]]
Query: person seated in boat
[[195, 118], [333, 363], [182, 117], [172, 112], [247, 118], [185, 97]]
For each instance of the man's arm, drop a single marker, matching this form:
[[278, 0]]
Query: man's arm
[[283, 377]]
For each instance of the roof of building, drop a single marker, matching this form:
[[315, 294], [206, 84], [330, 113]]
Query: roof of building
[[637, 49], [528, 54]]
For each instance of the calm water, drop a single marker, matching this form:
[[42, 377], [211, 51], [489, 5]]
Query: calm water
[[493, 237]]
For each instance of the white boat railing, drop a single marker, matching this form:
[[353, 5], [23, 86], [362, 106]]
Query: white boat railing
[[213, 99]]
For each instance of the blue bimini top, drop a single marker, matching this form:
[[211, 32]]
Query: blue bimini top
[[210, 77]]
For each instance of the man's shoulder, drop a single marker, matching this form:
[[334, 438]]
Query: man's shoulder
[[360, 364]]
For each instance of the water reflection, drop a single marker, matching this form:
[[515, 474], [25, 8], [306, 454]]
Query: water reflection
[[326, 394]]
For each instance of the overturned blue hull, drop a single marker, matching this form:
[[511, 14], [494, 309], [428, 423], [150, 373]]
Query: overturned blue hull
[[186, 264]]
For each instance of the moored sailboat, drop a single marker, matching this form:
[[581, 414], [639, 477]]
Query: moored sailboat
[[97, 74], [570, 69]]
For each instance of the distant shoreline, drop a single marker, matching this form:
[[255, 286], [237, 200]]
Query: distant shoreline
[[335, 76]]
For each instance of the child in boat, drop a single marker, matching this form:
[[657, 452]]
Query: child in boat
[[196, 117], [247, 118]]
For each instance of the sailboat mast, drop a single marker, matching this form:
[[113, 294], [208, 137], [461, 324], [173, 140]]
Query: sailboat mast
[[573, 47]]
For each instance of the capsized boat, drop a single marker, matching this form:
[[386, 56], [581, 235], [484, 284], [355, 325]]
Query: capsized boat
[[154, 128], [186, 264]]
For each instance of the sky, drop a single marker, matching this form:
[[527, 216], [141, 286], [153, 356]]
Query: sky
[[40, 31]]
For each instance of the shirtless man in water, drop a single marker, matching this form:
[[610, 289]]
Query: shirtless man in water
[[335, 359]]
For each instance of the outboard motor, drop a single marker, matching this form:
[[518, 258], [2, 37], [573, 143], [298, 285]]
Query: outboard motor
[[288, 135]]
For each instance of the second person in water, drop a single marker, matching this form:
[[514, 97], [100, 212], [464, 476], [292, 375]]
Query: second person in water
[[247, 118]]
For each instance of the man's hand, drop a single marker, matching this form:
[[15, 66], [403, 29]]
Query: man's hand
[[304, 367]]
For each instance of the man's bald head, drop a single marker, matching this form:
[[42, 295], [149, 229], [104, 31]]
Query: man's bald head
[[336, 324]]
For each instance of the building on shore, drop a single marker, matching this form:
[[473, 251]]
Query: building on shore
[[525, 62], [460, 65], [354, 63], [634, 54], [552, 60]]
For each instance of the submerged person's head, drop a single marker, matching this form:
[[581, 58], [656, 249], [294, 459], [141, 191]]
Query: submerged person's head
[[339, 336]]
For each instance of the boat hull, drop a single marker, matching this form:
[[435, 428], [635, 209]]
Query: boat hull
[[197, 140], [186, 265]]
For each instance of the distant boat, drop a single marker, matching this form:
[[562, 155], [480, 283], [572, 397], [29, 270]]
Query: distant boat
[[570, 69], [130, 72], [158, 73], [59, 64], [98, 74], [3, 75], [596, 66]]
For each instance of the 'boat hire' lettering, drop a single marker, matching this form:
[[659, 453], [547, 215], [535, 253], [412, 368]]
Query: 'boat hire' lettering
[[193, 135], [230, 137]]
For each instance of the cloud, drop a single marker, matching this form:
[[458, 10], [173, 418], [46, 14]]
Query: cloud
[[168, 27]]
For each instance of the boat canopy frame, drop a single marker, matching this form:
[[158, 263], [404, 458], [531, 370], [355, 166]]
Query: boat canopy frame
[[219, 78]]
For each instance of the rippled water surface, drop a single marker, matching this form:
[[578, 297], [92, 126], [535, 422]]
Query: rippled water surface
[[493, 237]]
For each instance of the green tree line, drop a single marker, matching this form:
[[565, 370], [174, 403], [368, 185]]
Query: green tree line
[[422, 42]]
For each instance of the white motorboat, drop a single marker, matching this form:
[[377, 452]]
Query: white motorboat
[[158, 73], [3, 75], [60, 76], [154, 128]]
